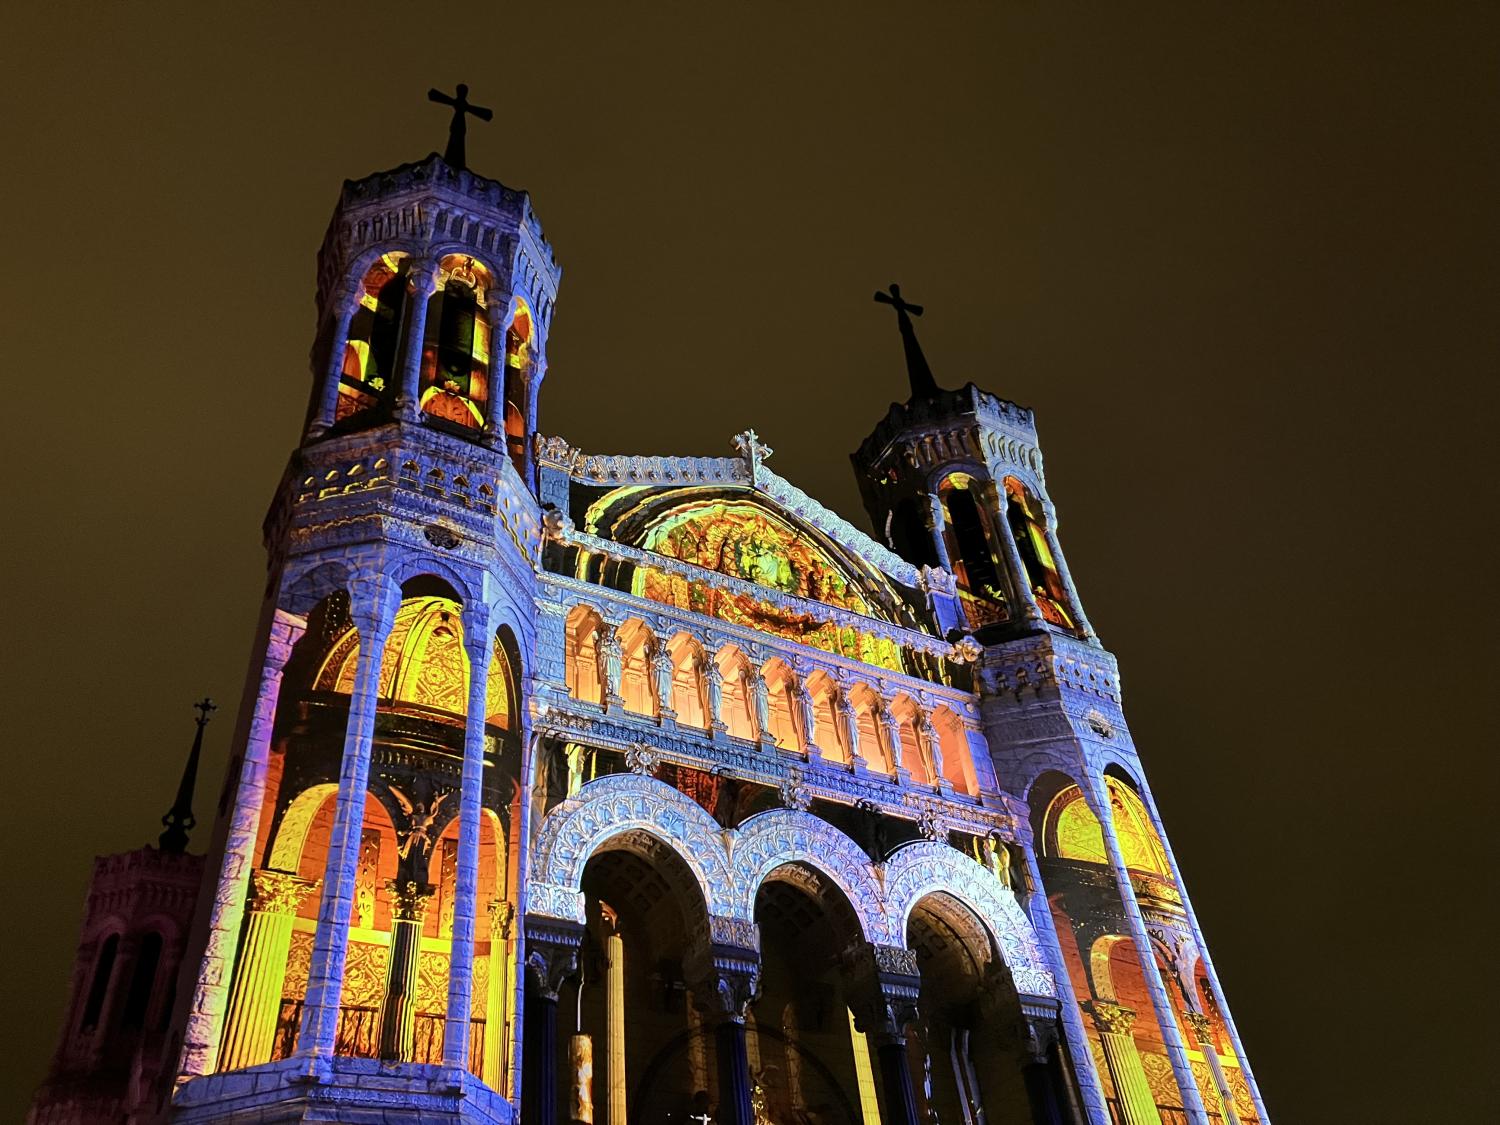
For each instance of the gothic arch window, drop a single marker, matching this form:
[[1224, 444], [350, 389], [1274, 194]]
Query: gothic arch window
[[687, 681], [972, 543], [737, 708], [581, 655], [1023, 514], [781, 695], [456, 353], [499, 691], [104, 967], [369, 373], [142, 982], [519, 343], [424, 666], [909, 753]]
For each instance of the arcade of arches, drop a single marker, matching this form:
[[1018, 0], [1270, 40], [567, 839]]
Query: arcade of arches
[[1122, 1021], [406, 887]]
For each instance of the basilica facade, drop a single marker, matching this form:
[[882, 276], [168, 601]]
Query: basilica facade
[[576, 786]]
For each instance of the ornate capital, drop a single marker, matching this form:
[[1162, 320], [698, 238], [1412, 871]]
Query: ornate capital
[[884, 991], [730, 986], [277, 892], [502, 914], [551, 953], [409, 899], [1202, 1027], [1112, 1018]]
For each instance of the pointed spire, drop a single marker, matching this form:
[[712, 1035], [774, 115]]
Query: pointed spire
[[923, 385], [179, 820]]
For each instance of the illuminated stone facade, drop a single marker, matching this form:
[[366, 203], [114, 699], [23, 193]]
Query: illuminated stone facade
[[657, 765]]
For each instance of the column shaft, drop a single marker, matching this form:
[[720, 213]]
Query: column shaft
[[1025, 604], [328, 392], [1131, 1087], [539, 1093], [375, 611], [734, 1074], [614, 1002], [1166, 1019], [895, 1082], [257, 722], [478, 642], [1049, 529], [424, 283], [398, 1011], [255, 1002]]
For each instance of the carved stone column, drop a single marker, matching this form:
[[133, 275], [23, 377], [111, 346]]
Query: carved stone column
[[498, 310], [424, 283], [849, 725], [614, 1014], [374, 604], [762, 700], [1203, 1032], [1025, 605], [1040, 1065], [662, 670], [551, 958], [1124, 1062], [1166, 1019], [497, 1015], [713, 676], [611, 667], [1049, 529], [345, 304], [479, 645], [245, 785], [723, 968], [255, 1002], [885, 989], [398, 1010]]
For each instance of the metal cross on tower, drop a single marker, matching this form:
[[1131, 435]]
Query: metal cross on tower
[[923, 385], [453, 155], [180, 820]]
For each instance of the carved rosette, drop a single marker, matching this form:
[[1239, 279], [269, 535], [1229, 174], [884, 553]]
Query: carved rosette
[[277, 892], [931, 826], [1112, 1018], [795, 795], [409, 900], [641, 759]]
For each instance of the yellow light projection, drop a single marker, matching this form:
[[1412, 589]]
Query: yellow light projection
[[745, 541], [1073, 832], [424, 664]]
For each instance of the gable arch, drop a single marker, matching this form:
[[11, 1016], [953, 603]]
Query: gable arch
[[779, 837], [609, 806], [926, 867]]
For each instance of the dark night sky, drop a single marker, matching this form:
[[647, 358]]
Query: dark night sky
[[1241, 259]]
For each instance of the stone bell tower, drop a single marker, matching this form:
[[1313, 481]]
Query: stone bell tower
[[953, 481], [352, 942]]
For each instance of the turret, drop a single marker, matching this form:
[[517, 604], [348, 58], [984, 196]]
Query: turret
[[953, 480]]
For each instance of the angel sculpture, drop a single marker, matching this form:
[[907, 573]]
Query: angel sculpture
[[421, 818]]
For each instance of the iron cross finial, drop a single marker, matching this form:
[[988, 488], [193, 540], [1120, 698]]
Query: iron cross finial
[[454, 154], [923, 385], [204, 707]]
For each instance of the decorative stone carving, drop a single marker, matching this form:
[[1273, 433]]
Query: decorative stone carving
[[551, 954], [277, 892], [795, 795], [1112, 1018], [641, 759]]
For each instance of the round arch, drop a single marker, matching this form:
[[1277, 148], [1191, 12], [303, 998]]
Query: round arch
[[605, 808], [285, 853], [779, 837], [919, 869]]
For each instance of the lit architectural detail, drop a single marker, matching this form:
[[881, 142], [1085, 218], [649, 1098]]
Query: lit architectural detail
[[648, 788]]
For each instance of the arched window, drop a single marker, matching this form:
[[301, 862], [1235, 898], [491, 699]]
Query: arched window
[[783, 704], [518, 359], [1071, 831], [687, 681], [958, 765], [142, 982], [636, 685], [825, 735], [424, 664], [866, 706], [1022, 513], [910, 751], [456, 356], [369, 374], [737, 708], [103, 967], [971, 541], [581, 655], [498, 690]]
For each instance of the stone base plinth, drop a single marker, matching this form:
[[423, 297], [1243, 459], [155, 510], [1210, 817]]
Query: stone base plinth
[[345, 1090]]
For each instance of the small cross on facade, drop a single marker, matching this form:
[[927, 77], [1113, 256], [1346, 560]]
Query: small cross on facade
[[895, 299], [701, 1118], [923, 385], [454, 154], [753, 450]]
